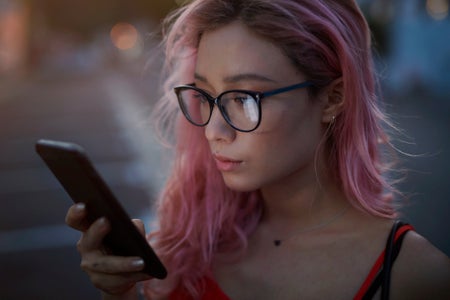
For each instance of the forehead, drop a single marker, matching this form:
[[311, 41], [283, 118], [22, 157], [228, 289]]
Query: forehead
[[234, 49]]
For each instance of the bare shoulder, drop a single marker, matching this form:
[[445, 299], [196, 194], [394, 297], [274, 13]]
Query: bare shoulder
[[421, 271]]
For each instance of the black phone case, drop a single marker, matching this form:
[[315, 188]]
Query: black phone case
[[71, 166]]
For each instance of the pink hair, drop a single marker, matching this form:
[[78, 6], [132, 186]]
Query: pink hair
[[199, 216]]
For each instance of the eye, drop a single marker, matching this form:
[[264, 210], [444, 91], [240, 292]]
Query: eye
[[200, 97], [237, 98], [243, 99], [194, 95]]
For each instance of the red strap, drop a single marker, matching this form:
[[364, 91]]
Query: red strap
[[379, 264]]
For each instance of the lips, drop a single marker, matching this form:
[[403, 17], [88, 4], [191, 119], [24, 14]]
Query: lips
[[226, 164]]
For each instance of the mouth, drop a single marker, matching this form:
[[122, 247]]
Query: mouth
[[226, 164]]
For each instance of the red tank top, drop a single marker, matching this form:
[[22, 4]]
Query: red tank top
[[370, 285]]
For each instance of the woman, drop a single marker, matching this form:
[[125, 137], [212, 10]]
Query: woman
[[278, 189]]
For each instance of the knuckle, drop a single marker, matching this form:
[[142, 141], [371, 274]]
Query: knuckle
[[79, 245], [90, 265], [70, 218], [70, 221], [76, 219], [84, 265], [98, 282], [67, 219]]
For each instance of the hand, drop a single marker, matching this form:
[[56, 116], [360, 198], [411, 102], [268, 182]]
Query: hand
[[114, 275]]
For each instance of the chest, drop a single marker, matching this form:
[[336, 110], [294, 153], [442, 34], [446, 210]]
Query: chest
[[321, 270]]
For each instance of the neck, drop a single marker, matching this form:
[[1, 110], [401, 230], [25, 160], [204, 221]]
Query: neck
[[302, 204]]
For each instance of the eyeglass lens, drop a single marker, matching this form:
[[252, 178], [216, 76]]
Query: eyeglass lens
[[239, 109]]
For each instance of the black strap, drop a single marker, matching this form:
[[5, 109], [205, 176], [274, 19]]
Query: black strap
[[392, 250], [383, 277]]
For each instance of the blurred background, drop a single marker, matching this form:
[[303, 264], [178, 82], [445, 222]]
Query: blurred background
[[88, 72]]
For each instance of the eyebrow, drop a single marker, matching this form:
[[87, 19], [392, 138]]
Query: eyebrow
[[238, 78]]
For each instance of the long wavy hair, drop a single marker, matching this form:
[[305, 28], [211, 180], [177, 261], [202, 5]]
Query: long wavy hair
[[199, 217]]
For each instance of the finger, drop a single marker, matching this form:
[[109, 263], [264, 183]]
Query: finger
[[111, 264], [117, 284], [140, 225], [92, 238], [76, 217]]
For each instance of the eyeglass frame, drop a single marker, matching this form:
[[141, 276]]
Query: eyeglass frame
[[257, 96]]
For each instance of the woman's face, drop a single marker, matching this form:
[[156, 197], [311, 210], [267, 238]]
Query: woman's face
[[282, 148]]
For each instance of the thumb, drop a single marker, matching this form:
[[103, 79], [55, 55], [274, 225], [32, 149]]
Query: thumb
[[139, 225]]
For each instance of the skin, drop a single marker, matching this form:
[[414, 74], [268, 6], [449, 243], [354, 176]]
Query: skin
[[115, 276], [279, 158]]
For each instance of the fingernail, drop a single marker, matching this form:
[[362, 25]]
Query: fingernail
[[80, 206], [138, 263]]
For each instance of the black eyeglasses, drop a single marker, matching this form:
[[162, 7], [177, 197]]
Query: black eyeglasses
[[240, 108]]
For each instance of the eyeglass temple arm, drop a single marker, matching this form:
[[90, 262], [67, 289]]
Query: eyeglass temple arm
[[287, 89]]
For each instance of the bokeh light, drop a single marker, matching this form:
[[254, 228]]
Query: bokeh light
[[13, 38], [438, 9], [124, 36]]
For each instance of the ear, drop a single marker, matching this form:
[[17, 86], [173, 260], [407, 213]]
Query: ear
[[333, 98]]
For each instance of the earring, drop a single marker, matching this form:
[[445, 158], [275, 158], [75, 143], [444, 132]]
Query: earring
[[333, 119]]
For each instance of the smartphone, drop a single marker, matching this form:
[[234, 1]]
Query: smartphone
[[73, 169]]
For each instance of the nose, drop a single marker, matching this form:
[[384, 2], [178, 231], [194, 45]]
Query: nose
[[218, 129]]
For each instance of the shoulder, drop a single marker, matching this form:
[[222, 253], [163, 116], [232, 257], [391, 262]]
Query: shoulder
[[421, 271]]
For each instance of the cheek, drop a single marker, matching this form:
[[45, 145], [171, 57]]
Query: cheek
[[280, 113], [288, 144], [288, 123], [284, 144], [271, 118], [299, 134]]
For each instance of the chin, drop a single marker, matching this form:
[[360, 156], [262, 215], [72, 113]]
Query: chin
[[239, 185]]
